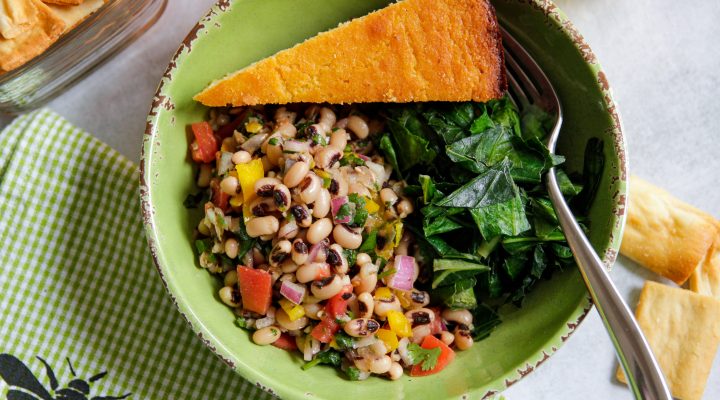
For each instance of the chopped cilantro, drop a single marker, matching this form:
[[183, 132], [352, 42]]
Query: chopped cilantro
[[241, 323], [344, 341], [428, 358], [202, 244], [361, 212], [386, 272], [330, 357], [343, 212], [273, 141]]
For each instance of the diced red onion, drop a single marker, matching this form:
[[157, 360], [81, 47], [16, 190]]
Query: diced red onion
[[364, 342], [224, 163], [264, 322], [315, 251], [335, 204], [293, 291], [378, 171], [363, 157], [404, 275], [296, 146]]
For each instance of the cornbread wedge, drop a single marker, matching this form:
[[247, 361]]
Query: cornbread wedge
[[16, 17], [413, 50], [20, 49], [665, 234], [683, 330], [706, 278]]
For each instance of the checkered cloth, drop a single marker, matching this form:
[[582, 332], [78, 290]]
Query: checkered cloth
[[76, 278]]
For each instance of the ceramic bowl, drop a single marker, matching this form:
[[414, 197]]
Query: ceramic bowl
[[236, 33]]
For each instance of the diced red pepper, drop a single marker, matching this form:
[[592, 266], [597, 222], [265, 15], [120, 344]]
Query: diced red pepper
[[325, 330], [337, 305], [219, 198], [286, 342], [205, 145], [446, 356], [255, 289]]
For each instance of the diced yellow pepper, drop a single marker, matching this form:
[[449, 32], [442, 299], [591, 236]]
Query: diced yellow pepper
[[294, 311], [371, 206], [253, 126], [389, 338], [398, 233], [334, 344], [248, 174], [404, 297], [236, 201], [383, 293], [399, 323]]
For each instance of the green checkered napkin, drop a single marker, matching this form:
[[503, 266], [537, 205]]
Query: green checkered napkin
[[77, 280]]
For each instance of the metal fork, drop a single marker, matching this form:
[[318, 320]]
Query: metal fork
[[529, 85]]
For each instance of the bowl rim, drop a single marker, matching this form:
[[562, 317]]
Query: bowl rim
[[554, 15]]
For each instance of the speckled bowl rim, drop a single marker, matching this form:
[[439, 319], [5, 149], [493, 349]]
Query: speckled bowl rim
[[271, 384]]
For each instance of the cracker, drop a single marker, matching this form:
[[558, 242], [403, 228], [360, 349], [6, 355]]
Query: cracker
[[706, 278], [683, 330], [16, 17], [19, 50], [73, 16], [665, 234]]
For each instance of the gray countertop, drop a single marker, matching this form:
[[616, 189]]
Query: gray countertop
[[663, 63]]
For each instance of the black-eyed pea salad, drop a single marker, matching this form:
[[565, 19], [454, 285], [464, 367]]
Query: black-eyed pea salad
[[305, 224]]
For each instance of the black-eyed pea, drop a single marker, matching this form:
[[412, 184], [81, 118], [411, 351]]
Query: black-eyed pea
[[274, 149], [361, 327], [358, 126], [336, 258], [283, 115], [288, 266], [230, 278], [230, 185], [231, 247], [383, 306], [341, 123], [404, 208], [327, 118], [287, 276], [362, 259], [319, 230], [312, 309], [366, 279], [381, 365], [286, 130], [260, 226], [302, 215], [309, 188], [281, 196], [327, 287], [266, 335], [296, 174], [299, 251], [388, 197], [359, 189], [241, 157], [459, 316], [420, 316], [366, 305], [264, 186], [308, 272], [280, 252], [347, 237], [463, 339], [419, 333], [262, 206], [326, 158], [288, 229], [396, 371], [284, 321], [203, 228], [447, 337], [230, 296], [321, 206], [339, 139]]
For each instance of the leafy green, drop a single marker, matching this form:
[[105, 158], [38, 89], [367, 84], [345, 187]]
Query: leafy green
[[329, 357], [361, 212], [451, 120], [194, 200], [448, 271], [594, 165], [484, 321], [459, 294], [386, 147], [368, 245], [240, 322], [428, 358], [344, 341], [408, 134], [490, 187], [353, 373]]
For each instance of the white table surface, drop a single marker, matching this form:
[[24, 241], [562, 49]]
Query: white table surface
[[663, 62]]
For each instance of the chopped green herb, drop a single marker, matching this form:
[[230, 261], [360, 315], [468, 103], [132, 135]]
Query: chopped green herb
[[428, 358], [344, 341], [353, 373], [241, 323], [387, 271], [329, 357], [273, 141], [361, 212]]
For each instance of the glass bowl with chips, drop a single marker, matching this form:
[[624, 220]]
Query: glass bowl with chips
[[48, 45]]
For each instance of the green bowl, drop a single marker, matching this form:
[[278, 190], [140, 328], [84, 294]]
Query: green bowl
[[236, 33]]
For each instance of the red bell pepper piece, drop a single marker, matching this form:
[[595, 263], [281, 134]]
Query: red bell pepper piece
[[255, 289], [446, 356], [286, 342], [205, 146], [219, 198]]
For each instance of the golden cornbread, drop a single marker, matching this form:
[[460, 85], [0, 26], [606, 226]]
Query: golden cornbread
[[414, 50]]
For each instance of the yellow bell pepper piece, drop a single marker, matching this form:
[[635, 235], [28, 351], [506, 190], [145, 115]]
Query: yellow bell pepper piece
[[404, 297], [389, 338], [383, 293], [371, 206], [398, 233], [334, 344], [236, 201], [399, 323], [248, 174], [253, 126], [294, 311]]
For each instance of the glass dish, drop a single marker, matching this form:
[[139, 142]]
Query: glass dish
[[103, 34]]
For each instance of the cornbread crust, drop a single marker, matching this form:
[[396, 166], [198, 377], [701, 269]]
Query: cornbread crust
[[74, 15], [414, 50], [665, 234], [683, 330], [64, 2]]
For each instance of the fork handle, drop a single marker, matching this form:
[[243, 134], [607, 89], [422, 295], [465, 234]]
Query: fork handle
[[641, 369]]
